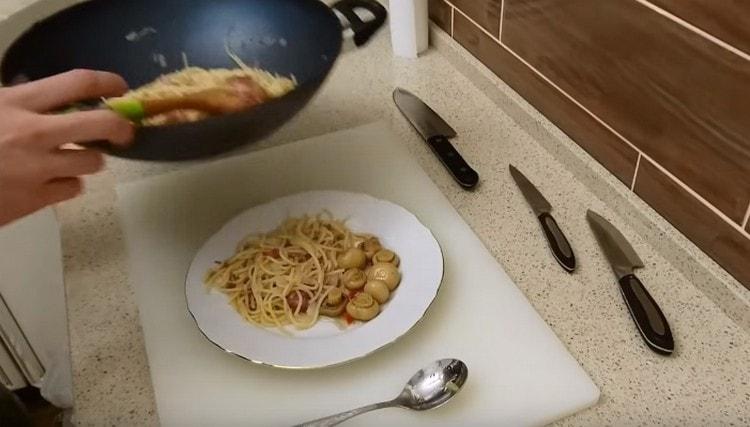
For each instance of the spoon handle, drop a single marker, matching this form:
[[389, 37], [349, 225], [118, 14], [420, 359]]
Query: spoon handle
[[343, 416]]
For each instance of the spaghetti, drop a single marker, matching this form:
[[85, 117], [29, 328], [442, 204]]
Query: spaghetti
[[298, 272], [192, 80]]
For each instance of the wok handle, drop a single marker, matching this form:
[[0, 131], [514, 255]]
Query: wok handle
[[363, 31]]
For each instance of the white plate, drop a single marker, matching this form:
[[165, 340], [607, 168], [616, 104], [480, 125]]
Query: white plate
[[325, 344]]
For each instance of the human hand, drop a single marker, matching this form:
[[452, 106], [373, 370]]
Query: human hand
[[35, 171]]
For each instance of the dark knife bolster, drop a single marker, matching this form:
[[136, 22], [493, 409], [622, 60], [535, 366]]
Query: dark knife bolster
[[558, 243], [461, 171], [647, 315]]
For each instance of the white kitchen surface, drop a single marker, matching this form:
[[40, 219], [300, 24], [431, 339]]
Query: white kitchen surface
[[520, 373]]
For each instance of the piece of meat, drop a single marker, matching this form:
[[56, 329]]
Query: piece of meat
[[293, 299], [242, 93], [177, 116], [248, 90]]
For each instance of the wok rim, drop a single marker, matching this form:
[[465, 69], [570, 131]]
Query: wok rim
[[308, 88]]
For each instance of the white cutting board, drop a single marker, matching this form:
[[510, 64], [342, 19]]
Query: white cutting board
[[519, 371]]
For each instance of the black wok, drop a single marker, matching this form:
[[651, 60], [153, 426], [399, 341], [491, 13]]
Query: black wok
[[143, 39]]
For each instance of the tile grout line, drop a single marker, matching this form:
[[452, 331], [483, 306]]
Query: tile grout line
[[710, 37], [697, 196], [656, 164], [747, 218], [635, 173], [641, 154], [493, 37], [502, 17], [453, 17], [700, 198], [661, 168], [573, 100]]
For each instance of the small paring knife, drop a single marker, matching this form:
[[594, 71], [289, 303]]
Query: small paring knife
[[648, 317], [436, 132], [558, 243]]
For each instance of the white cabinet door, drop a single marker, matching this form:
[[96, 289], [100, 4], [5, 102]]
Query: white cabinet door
[[10, 376], [31, 284]]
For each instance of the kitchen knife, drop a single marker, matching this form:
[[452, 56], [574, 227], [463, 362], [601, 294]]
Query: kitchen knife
[[646, 314], [558, 243], [436, 132]]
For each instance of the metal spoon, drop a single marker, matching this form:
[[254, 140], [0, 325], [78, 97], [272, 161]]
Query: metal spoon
[[427, 389]]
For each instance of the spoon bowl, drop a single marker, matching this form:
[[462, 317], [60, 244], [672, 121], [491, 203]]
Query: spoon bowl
[[430, 387], [434, 385]]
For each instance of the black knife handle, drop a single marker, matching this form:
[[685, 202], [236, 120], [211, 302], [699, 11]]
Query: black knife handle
[[467, 177], [647, 315], [558, 243]]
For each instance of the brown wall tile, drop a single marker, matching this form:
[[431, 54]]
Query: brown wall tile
[[485, 12], [725, 19], [440, 13], [607, 148], [671, 92], [723, 243]]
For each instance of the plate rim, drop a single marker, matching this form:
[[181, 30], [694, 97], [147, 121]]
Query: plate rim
[[327, 365]]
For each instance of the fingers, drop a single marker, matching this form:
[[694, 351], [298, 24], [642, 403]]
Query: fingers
[[64, 89], [59, 190], [28, 202], [74, 163], [84, 127], [63, 182]]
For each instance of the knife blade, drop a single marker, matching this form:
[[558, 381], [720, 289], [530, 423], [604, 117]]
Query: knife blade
[[648, 317], [436, 132], [558, 243]]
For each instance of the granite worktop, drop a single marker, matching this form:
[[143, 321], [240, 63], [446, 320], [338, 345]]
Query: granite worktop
[[706, 381]]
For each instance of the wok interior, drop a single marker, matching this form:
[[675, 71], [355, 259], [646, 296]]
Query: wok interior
[[143, 39]]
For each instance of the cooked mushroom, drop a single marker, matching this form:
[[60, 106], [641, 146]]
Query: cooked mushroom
[[352, 258], [385, 272], [354, 278], [333, 280], [378, 290], [363, 307], [334, 304], [385, 255], [371, 246], [358, 240]]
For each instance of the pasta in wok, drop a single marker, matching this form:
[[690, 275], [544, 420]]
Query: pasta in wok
[[195, 93]]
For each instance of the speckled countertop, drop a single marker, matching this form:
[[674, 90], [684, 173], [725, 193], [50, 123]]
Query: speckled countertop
[[707, 380]]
